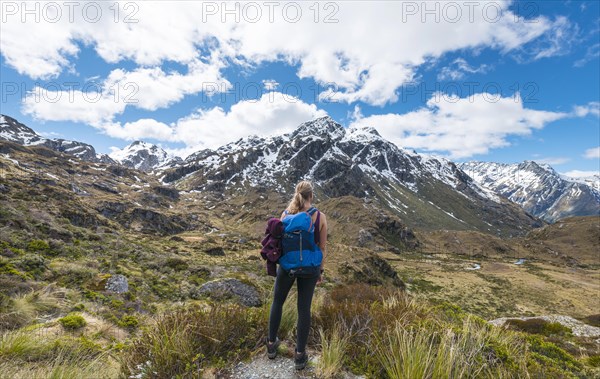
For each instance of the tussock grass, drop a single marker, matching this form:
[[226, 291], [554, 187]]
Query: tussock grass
[[333, 351], [31, 353], [62, 367], [476, 350], [185, 341], [21, 310]]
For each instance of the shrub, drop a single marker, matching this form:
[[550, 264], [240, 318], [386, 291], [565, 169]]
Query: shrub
[[176, 264], [72, 321], [33, 264], [128, 322], [549, 354], [78, 308], [7, 268], [35, 246], [539, 326], [185, 341]]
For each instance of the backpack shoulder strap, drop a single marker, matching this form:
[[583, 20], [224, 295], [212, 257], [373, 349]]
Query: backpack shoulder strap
[[311, 211]]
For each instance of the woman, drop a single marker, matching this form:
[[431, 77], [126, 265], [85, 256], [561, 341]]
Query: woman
[[301, 202]]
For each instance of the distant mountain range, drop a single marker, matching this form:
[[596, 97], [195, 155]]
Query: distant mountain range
[[12, 130], [539, 189], [424, 191]]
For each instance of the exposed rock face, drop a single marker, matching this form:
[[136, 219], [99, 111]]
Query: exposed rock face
[[117, 284], [364, 237], [232, 289], [149, 221], [372, 270], [423, 191], [539, 189]]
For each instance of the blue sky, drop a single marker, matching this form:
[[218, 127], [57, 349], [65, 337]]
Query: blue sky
[[520, 84]]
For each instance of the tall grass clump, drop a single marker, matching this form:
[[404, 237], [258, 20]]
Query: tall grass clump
[[186, 341], [31, 353], [21, 310], [357, 311], [334, 346]]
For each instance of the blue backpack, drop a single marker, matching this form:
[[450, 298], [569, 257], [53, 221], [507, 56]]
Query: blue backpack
[[301, 257]]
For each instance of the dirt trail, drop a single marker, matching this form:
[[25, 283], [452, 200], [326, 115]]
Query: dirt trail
[[282, 367]]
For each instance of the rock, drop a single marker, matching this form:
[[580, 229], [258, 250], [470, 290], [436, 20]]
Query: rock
[[117, 283], [176, 239], [579, 328], [169, 192], [149, 221], [105, 187], [3, 188], [78, 190], [364, 237], [372, 270], [215, 251], [229, 288], [242, 241]]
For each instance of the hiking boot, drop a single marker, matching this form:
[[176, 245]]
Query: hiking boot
[[272, 348], [300, 360]]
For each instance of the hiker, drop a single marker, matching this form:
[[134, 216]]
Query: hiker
[[307, 270]]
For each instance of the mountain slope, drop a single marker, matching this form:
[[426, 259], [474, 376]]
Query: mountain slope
[[14, 131], [423, 191], [144, 156], [539, 189]]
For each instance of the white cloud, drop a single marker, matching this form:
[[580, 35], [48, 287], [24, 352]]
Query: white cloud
[[593, 153], [558, 40], [458, 68], [372, 49], [553, 160], [143, 88], [270, 84], [591, 108], [273, 113], [580, 174], [591, 53], [460, 127]]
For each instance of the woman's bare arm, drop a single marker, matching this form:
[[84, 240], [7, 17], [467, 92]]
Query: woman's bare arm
[[323, 236]]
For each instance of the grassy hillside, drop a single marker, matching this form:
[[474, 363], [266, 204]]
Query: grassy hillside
[[68, 228]]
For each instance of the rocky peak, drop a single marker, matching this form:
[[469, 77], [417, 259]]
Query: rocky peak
[[320, 127], [14, 131], [144, 156], [537, 187]]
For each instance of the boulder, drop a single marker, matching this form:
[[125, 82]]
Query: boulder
[[364, 237], [229, 288], [117, 283]]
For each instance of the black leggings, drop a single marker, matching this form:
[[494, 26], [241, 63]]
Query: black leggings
[[306, 288]]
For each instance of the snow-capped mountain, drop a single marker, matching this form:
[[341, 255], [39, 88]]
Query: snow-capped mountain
[[14, 131], [425, 191], [145, 156], [539, 189], [590, 180]]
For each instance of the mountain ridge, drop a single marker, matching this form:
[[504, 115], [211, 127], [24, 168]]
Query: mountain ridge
[[14, 131], [538, 188], [429, 192]]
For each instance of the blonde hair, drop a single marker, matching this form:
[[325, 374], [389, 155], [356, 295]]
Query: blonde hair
[[303, 194]]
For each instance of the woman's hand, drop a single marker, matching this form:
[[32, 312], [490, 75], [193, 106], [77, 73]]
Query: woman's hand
[[320, 280]]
